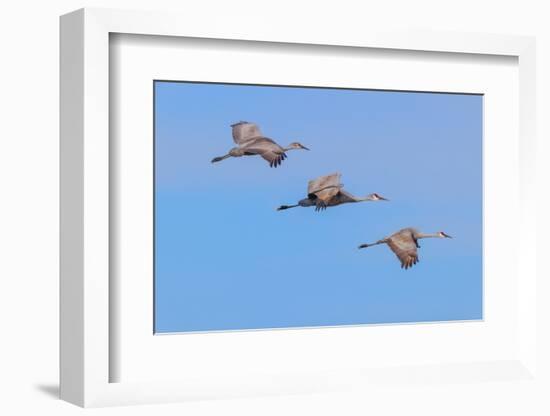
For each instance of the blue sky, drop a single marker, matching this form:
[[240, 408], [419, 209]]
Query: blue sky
[[226, 259]]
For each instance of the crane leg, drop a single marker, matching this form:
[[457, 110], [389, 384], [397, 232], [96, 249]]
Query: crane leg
[[220, 158], [282, 207]]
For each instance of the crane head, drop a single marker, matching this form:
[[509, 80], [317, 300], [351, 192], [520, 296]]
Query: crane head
[[297, 145], [377, 197], [444, 235]]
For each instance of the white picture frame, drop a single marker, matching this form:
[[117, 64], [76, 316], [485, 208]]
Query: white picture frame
[[86, 165]]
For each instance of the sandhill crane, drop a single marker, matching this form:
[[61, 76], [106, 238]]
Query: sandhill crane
[[326, 191], [250, 142], [404, 243]]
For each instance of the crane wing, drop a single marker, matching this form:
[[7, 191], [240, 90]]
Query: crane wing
[[324, 187], [274, 159], [342, 197], [266, 148], [404, 247], [244, 132]]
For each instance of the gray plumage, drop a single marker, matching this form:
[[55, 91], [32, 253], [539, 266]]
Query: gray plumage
[[327, 191], [251, 142], [404, 243]]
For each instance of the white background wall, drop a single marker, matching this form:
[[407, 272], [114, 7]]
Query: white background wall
[[29, 208]]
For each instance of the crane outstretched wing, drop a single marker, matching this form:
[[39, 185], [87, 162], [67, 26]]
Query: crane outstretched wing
[[324, 187], [244, 132], [404, 247], [274, 159], [266, 148], [342, 197]]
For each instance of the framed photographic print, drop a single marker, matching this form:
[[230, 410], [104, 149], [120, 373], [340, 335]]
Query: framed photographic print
[[265, 214], [226, 259]]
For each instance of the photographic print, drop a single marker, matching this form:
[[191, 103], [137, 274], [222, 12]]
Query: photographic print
[[294, 207]]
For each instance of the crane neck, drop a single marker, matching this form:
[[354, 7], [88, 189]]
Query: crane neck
[[429, 235]]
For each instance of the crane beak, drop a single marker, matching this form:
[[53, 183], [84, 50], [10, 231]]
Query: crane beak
[[446, 235], [305, 148]]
